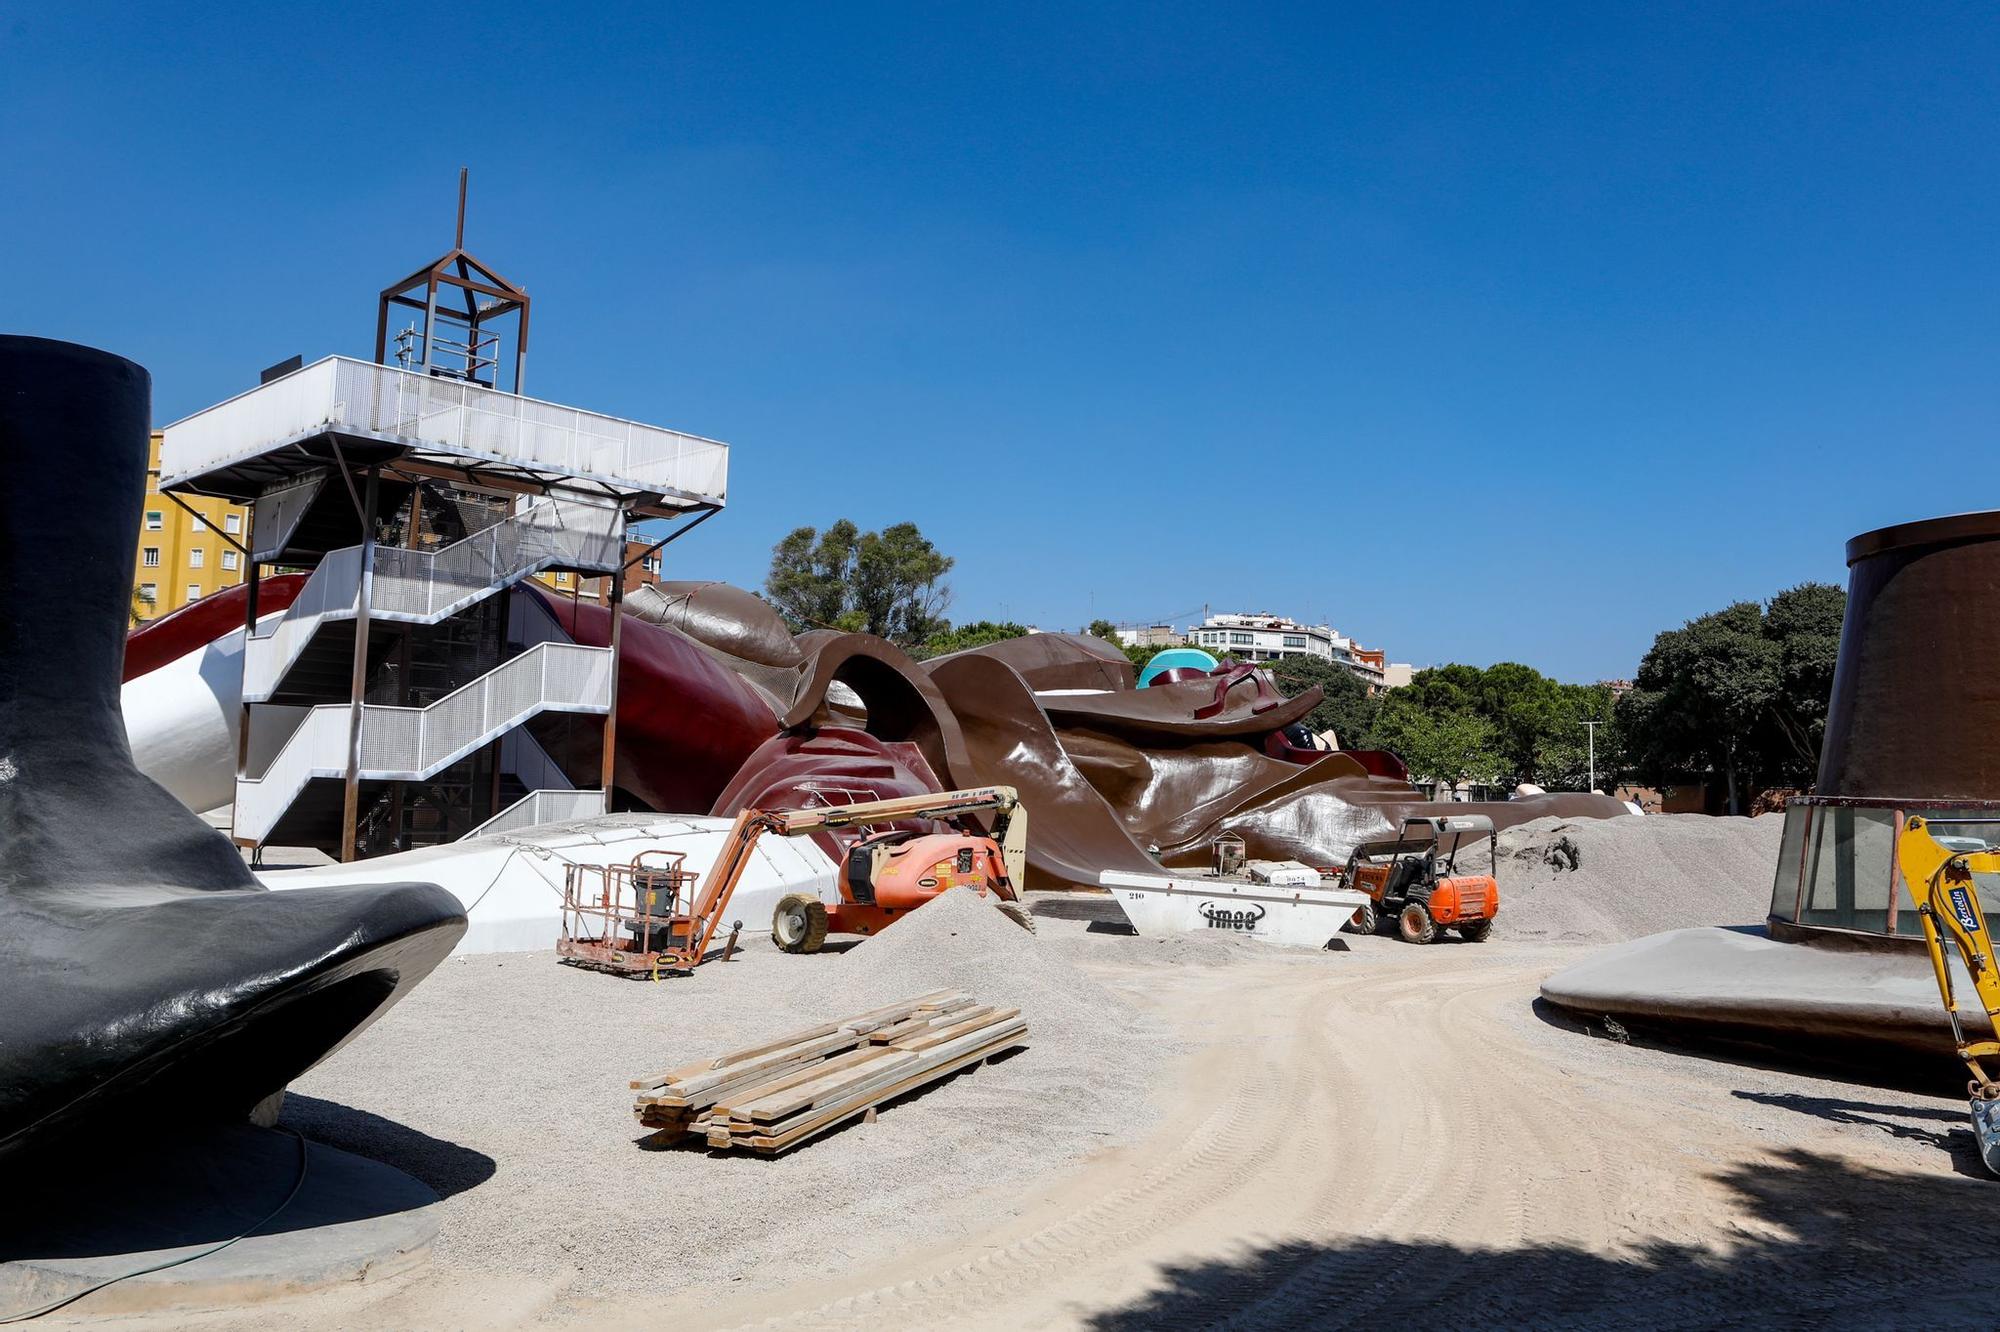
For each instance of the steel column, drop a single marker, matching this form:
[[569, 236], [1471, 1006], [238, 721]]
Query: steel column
[[351, 803]]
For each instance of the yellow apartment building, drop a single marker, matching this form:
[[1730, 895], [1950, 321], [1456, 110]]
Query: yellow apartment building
[[182, 558]]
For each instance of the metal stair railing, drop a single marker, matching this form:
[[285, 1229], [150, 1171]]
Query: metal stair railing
[[538, 807], [426, 586], [411, 744]]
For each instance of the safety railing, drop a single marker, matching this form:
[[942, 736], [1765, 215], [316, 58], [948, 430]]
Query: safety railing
[[426, 586], [539, 807], [448, 417], [410, 744]]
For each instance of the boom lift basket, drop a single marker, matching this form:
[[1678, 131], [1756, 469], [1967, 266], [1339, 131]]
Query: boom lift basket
[[629, 918]]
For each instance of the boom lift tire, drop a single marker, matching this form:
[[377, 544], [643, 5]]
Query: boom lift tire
[[1416, 925], [1476, 931], [1367, 920], [1018, 913], [799, 924]]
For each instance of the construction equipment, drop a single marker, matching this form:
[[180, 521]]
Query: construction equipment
[[1939, 873], [1407, 881], [639, 918]]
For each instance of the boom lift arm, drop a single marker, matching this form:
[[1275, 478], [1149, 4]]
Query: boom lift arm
[[1940, 882], [1010, 832]]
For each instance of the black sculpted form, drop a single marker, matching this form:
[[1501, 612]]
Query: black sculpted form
[[145, 975]]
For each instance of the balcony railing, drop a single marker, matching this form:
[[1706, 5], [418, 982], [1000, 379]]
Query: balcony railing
[[446, 417], [410, 744], [426, 586], [539, 807]]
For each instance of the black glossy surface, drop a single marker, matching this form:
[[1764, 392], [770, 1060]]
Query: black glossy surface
[[145, 975]]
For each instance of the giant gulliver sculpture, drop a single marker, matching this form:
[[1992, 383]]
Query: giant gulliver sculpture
[[721, 707], [145, 975]]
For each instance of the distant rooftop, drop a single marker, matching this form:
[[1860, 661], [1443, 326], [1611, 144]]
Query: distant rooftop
[[379, 413]]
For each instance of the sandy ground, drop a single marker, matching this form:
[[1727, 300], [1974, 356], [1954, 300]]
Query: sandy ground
[[1386, 1136]]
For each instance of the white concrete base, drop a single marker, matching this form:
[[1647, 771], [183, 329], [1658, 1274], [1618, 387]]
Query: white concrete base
[[512, 883]]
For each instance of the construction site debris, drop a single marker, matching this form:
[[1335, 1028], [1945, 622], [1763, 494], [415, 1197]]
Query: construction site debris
[[774, 1096], [1608, 880]]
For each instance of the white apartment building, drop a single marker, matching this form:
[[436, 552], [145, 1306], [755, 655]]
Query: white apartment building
[[1150, 635], [1267, 637]]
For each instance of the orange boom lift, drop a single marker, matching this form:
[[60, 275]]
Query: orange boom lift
[[649, 917]]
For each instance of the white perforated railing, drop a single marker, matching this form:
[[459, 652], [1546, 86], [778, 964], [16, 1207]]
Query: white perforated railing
[[538, 807], [410, 744], [445, 417], [425, 586]]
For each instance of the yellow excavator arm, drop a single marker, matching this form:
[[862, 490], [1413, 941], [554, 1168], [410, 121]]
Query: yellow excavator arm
[[1940, 881]]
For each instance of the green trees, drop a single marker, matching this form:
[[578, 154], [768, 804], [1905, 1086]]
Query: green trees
[[1448, 744], [977, 634], [1740, 692], [888, 583], [1347, 709], [1504, 724]]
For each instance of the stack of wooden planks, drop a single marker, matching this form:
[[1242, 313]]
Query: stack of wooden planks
[[774, 1096]]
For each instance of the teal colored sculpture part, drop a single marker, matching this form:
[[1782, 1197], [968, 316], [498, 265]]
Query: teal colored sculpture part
[[1173, 659]]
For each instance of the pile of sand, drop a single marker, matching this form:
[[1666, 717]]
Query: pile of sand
[[961, 941], [501, 1081], [1606, 880]]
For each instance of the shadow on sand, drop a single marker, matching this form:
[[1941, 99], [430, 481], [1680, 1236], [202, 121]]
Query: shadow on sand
[[1822, 1243]]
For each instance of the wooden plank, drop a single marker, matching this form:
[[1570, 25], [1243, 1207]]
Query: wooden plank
[[834, 1086], [821, 1121], [894, 1075], [819, 1068], [943, 1035], [778, 1059], [695, 1070], [688, 1072]]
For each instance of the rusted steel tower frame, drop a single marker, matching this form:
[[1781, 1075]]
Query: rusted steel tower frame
[[472, 280]]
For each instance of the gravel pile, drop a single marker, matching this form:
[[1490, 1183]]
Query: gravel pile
[[960, 941], [501, 1081], [1606, 880]]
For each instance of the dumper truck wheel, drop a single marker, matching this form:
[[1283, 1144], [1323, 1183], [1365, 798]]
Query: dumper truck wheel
[[1416, 925], [799, 924], [1475, 931], [1367, 920]]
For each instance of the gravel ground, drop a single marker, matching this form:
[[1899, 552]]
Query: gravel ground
[[1608, 880], [501, 1082]]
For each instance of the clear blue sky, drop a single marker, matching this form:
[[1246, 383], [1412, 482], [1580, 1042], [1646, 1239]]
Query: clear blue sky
[[1487, 332]]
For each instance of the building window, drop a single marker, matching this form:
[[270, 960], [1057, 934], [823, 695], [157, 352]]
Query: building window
[[194, 592], [154, 520], [149, 593], [1295, 640], [197, 557], [199, 525], [229, 559], [652, 563], [562, 580], [1242, 640], [232, 523], [150, 557]]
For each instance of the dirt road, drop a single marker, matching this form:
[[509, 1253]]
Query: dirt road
[[1390, 1137], [1398, 1135]]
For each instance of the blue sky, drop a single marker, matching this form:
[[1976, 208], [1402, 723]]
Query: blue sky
[[1488, 332]]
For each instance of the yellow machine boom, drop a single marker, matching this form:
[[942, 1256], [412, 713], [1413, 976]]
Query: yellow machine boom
[[1940, 882]]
